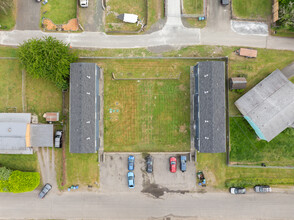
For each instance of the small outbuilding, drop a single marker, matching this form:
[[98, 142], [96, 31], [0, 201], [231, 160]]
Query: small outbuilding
[[51, 116], [129, 18], [238, 83], [248, 53]]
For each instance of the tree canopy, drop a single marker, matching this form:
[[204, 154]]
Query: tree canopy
[[286, 14], [47, 58]]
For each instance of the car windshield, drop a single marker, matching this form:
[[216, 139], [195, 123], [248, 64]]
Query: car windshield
[[130, 178], [173, 162]]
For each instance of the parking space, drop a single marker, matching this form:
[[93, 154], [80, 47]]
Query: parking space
[[91, 17], [113, 175], [28, 15]]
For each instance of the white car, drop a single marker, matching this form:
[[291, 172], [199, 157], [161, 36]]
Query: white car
[[84, 3], [58, 136]]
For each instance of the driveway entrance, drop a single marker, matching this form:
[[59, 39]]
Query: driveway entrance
[[28, 15]]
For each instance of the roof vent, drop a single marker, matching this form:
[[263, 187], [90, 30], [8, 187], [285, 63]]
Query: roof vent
[[88, 93], [205, 92], [89, 77], [88, 122], [206, 138], [88, 138], [206, 75]]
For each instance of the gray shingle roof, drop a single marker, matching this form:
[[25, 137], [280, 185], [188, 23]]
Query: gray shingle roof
[[269, 105], [84, 107], [209, 107]]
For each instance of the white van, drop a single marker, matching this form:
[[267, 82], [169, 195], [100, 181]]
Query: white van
[[84, 3]]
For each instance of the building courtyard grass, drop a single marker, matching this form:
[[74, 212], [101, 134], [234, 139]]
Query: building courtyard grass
[[146, 115]]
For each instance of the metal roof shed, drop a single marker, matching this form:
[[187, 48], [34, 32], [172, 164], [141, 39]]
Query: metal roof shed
[[129, 18], [268, 107], [238, 83], [85, 108]]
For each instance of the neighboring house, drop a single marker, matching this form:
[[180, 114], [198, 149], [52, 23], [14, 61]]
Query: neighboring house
[[269, 106], [86, 108], [238, 83], [208, 118], [18, 135]]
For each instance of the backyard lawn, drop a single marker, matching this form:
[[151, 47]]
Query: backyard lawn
[[146, 115], [7, 21], [217, 172], [252, 9], [193, 7], [20, 162], [247, 149], [59, 11]]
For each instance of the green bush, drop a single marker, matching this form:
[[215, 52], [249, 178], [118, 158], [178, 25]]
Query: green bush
[[4, 173], [250, 182], [19, 182]]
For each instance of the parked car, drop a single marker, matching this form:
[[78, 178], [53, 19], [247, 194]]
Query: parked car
[[262, 189], [225, 2], [131, 163], [45, 190], [173, 164], [84, 3], [131, 180], [149, 164], [38, 1], [183, 163], [237, 190], [58, 137]]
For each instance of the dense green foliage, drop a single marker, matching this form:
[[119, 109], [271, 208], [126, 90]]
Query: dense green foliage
[[286, 15], [17, 181], [47, 58], [4, 173], [248, 182]]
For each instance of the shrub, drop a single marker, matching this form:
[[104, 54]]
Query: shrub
[[4, 173], [250, 182], [17, 181], [23, 181]]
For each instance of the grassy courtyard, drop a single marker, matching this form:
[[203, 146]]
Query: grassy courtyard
[[146, 115], [193, 7], [247, 149], [252, 9], [59, 11]]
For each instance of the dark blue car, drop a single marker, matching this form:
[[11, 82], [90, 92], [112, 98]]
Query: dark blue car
[[131, 162]]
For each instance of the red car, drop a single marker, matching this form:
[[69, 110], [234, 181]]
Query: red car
[[173, 164]]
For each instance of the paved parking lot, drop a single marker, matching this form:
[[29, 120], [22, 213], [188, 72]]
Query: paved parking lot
[[113, 175]]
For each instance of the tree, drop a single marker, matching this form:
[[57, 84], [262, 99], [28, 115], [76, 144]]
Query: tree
[[286, 14], [5, 5], [47, 58]]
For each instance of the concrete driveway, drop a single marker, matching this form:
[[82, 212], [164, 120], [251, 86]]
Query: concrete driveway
[[28, 15], [113, 175], [218, 16], [91, 18]]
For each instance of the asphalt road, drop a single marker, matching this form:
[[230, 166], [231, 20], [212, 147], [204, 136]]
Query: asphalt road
[[139, 206], [28, 15]]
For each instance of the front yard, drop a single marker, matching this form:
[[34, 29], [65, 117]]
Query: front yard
[[252, 9], [59, 11], [7, 21], [193, 7]]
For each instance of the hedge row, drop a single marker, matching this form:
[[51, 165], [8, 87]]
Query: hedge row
[[250, 182], [19, 182]]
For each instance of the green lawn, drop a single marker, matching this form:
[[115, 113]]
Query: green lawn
[[10, 86], [252, 9], [6, 51], [155, 12], [7, 21], [19, 162], [59, 11], [282, 32], [81, 169], [193, 7], [247, 149], [194, 22], [217, 172], [146, 115], [116, 7]]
